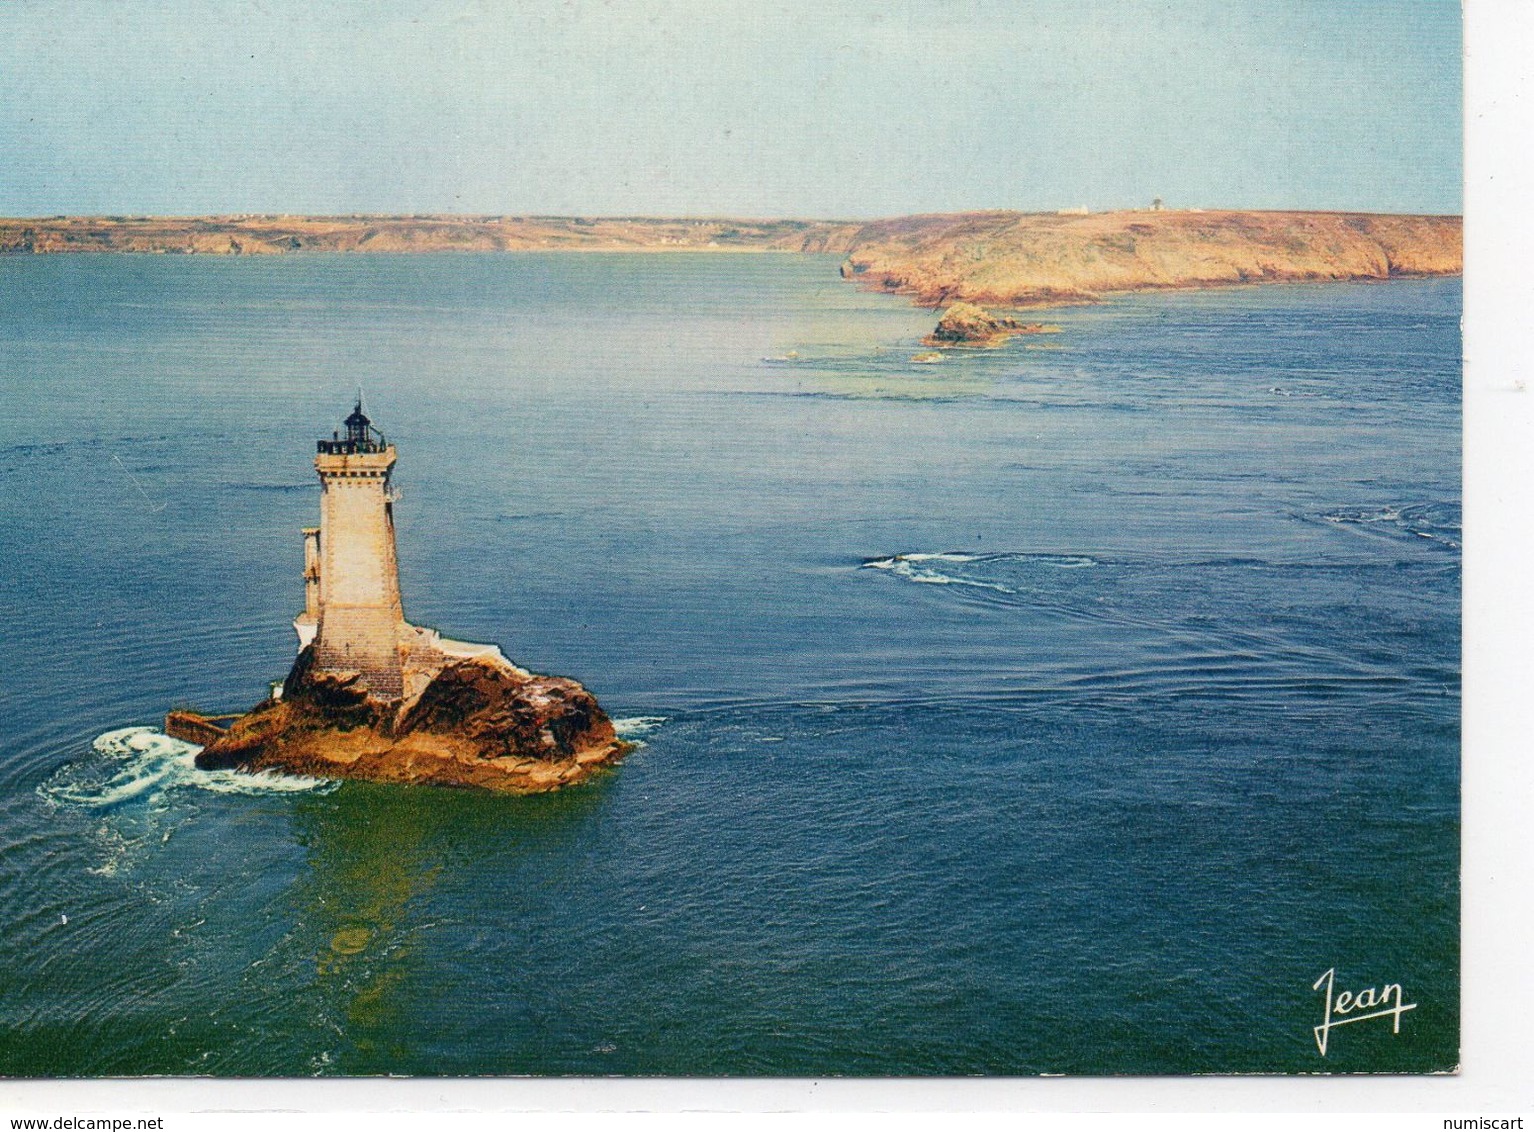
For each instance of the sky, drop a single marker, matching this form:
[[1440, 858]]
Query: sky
[[811, 108]]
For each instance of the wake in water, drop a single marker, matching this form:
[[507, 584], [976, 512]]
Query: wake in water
[[1204, 628], [145, 764], [630, 729], [149, 763], [1436, 522], [919, 567]]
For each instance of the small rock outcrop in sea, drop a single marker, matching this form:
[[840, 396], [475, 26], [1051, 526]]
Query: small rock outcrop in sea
[[965, 324], [374, 697]]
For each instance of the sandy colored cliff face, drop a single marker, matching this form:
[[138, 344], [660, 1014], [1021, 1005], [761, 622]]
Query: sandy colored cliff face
[[1024, 259], [996, 258], [479, 723]]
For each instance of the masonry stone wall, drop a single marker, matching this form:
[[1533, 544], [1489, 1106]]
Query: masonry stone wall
[[361, 618]]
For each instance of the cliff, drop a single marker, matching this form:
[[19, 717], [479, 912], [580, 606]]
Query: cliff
[[997, 258], [1027, 259], [479, 722], [274, 235]]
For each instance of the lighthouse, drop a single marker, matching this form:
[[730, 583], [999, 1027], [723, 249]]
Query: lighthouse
[[352, 614], [372, 696]]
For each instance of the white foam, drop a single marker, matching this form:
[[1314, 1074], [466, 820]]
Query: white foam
[[153, 763], [1358, 515], [945, 556], [1419, 521], [1063, 561], [906, 566], [918, 567], [637, 725]]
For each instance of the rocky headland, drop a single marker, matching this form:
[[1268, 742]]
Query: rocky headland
[[1033, 259], [280, 235], [479, 722], [1009, 259]]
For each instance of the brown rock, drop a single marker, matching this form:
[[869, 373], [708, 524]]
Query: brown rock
[[965, 324], [480, 722]]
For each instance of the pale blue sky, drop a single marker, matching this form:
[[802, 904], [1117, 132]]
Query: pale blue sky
[[687, 107]]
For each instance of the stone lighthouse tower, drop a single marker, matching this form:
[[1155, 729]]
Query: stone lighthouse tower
[[352, 611], [371, 696]]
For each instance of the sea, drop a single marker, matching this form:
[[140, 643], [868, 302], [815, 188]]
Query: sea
[[1073, 707]]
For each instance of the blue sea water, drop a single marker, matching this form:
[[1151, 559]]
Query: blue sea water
[[1065, 708]]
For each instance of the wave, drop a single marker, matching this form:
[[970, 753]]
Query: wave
[[1058, 561], [915, 567], [152, 763], [908, 566], [529, 516], [1436, 522], [944, 556], [632, 727]]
